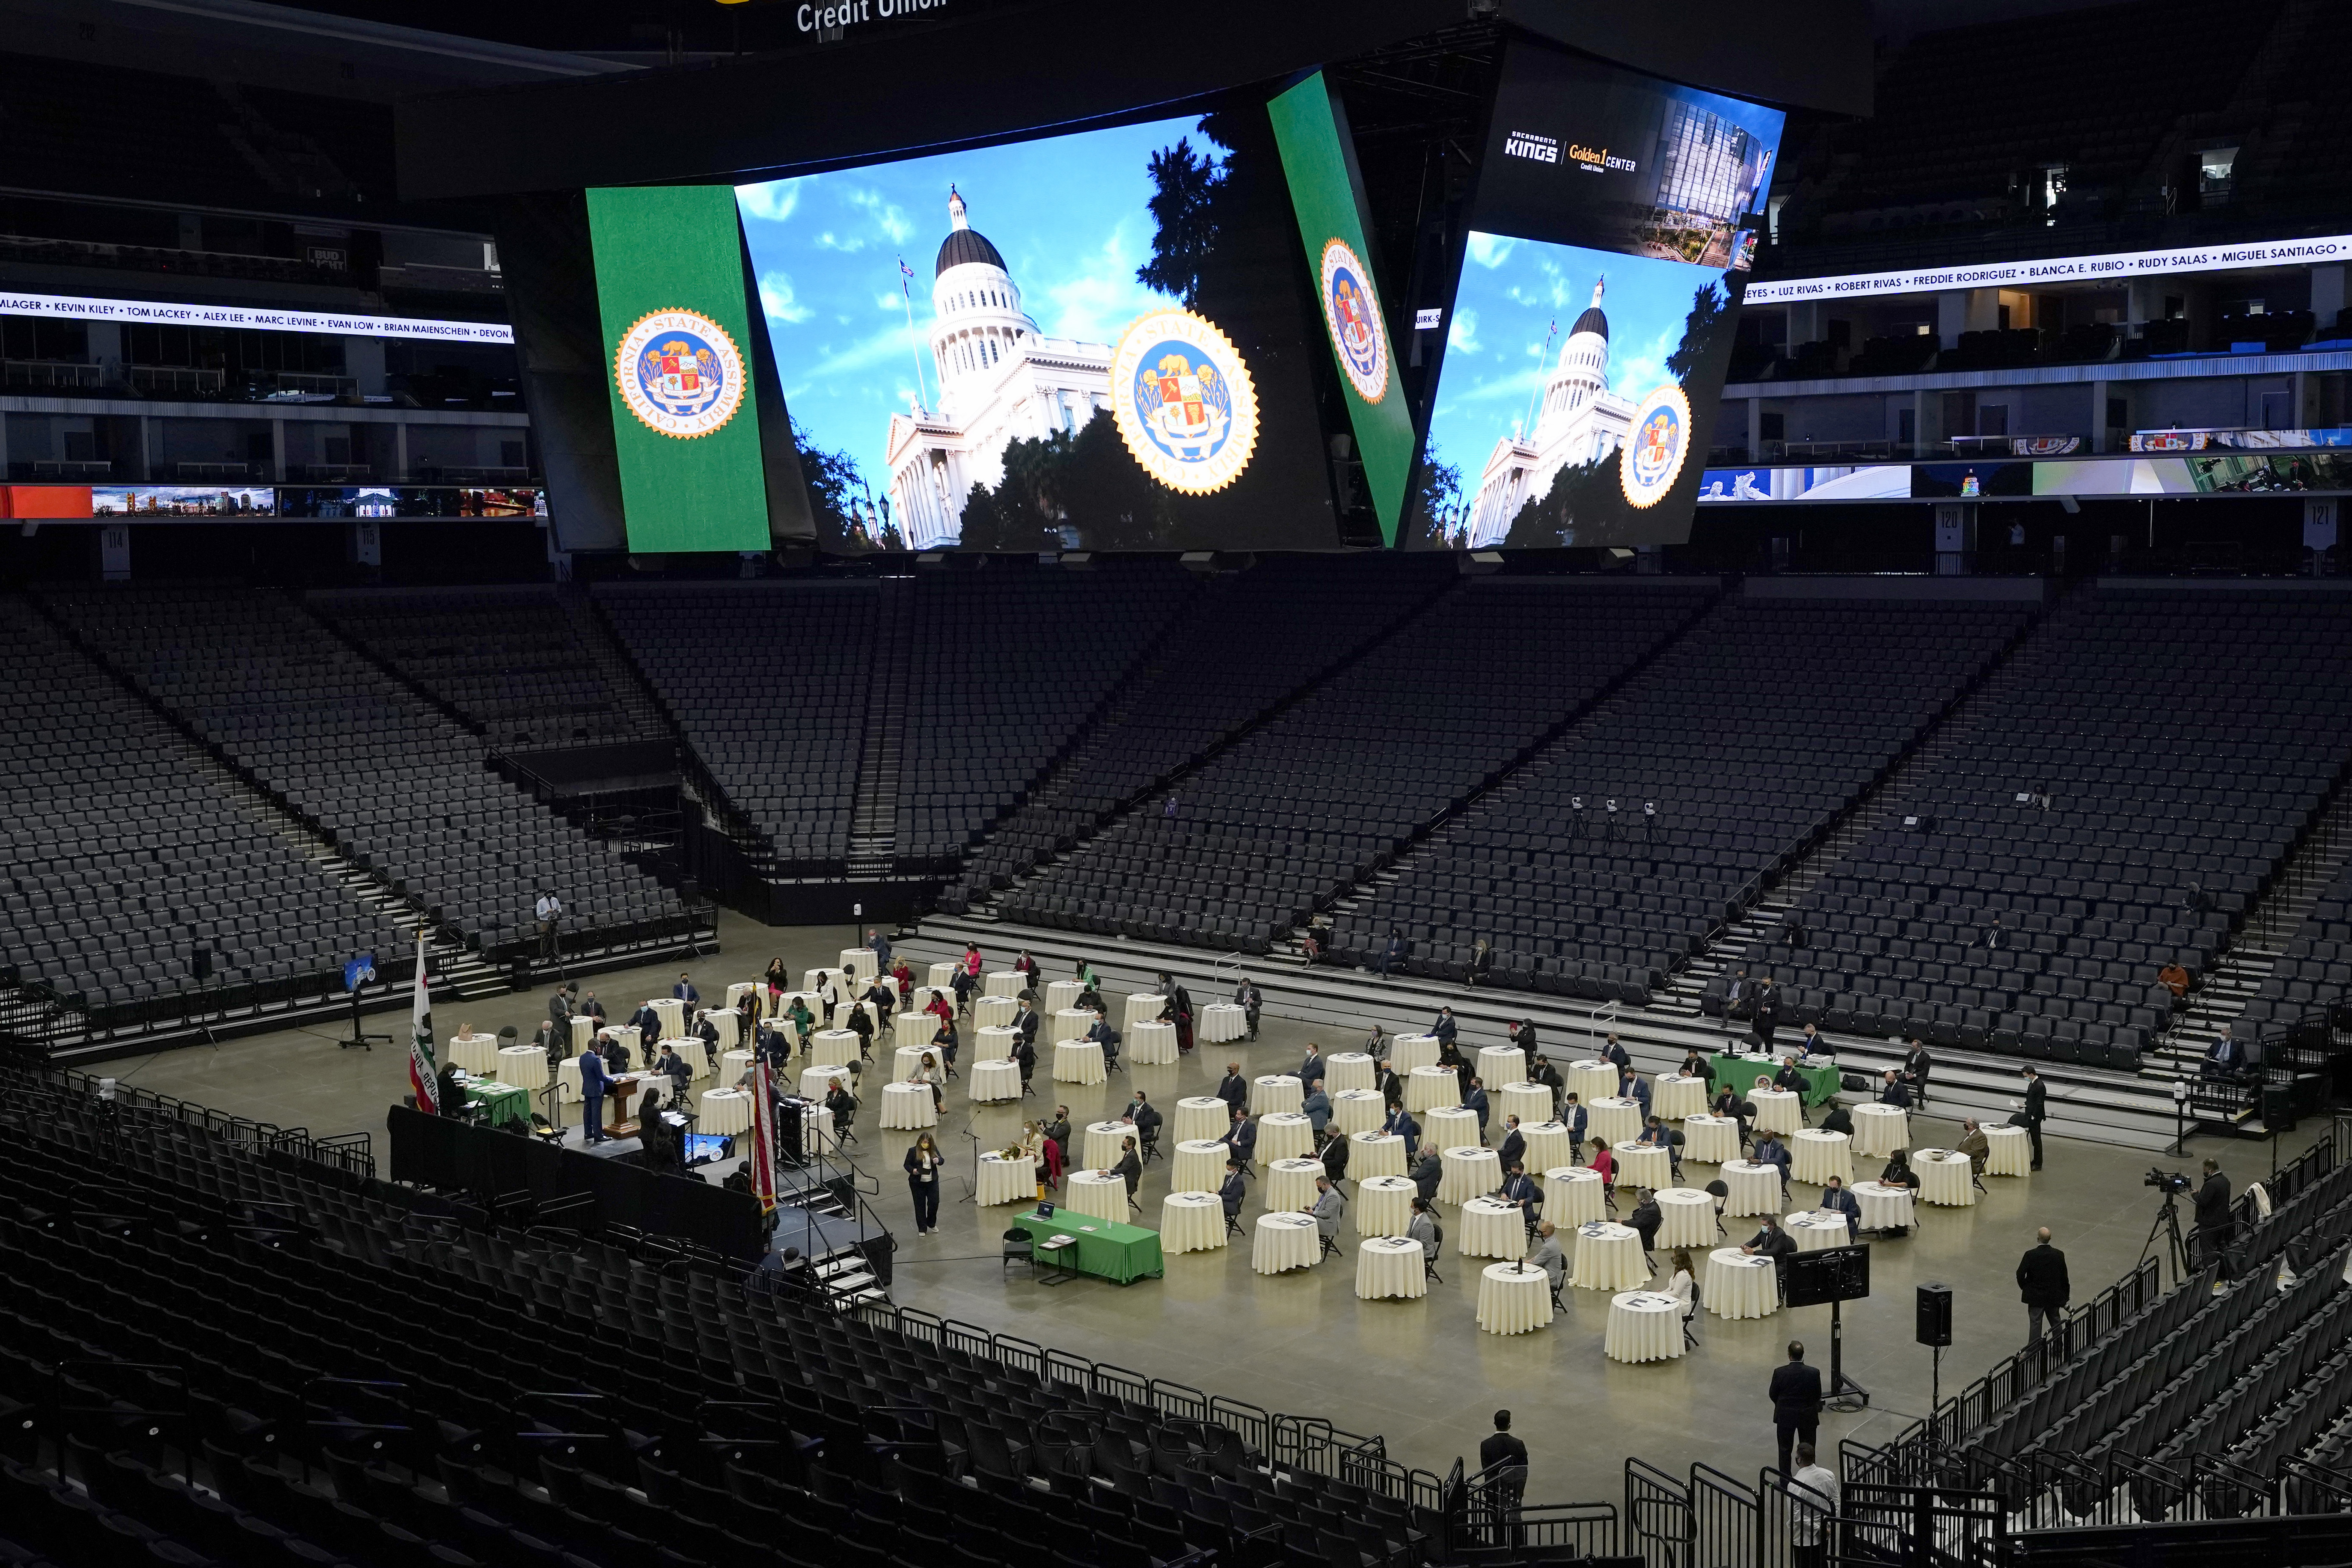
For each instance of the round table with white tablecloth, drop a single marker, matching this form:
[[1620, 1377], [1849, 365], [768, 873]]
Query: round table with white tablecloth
[[627, 1033], [478, 1054], [1098, 1193], [992, 1082], [1467, 1171], [1675, 1096], [567, 1082], [1550, 1145], [906, 1059], [1884, 1207], [1383, 1205], [908, 1107], [1529, 1101], [1491, 1228], [1740, 1284], [1072, 1023], [1078, 1061], [1614, 1117], [1776, 1109], [1573, 1195], [912, 1029], [1591, 1079], [1880, 1129], [524, 1067], [1944, 1178], [732, 1065], [740, 989], [1358, 1109], [1648, 1165], [1754, 1188], [1375, 1154], [1284, 1135], [1345, 1070], [1685, 1217], [1140, 1005], [994, 1043], [816, 979], [1502, 1064], [1275, 1091], [840, 1045], [1003, 1181], [2008, 1152], [816, 1082], [1222, 1021], [862, 962], [1101, 1148], [724, 1110], [1151, 1044], [1712, 1139], [815, 1006], [1390, 1266], [672, 1013], [1425, 1089], [582, 1028], [1813, 1229], [1451, 1126], [1817, 1155], [1191, 1222], [694, 1050], [1202, 1116], [729, 1022], [1003, 982], [1513, 1298], [1061, 993], [1290, 1184], [1200, 1165], [990, 1011], [1407, 1052], [1608, 1257], [1643, 1325], [816, 1130], [1283, 1242]]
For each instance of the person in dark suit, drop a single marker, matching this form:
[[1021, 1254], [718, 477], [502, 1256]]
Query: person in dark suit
[[1241, 1136], [1129, 1166], [2042, 1285], [1916, 1065], [1025, 1057], [1475, 1100], [1246, 997], [1796, 1396], [1505, 1459], [1232, 1193], [1768, 1012], [1519, 1190], [1145, 1115], [1443, 1026], [1025, 1019], [1234, 1089], [1514, 1147], [1389, 1082], [646, 1022], [559, 1011], [1770, 1150], [684, 990], [1546, 1074], [1698, 1064], [1317, 1105], [2217, 1226], [2030, 1115], [593, 1079], [1312, 1067], [1894, 1091], [1613, 1051], [1102, 1033], [1331, 1147], [1392, 952], [1633, 1086], [1427, 1175], [2225, 1057], [1523, 1035], [1646, 1219], [1400, 1123], [1839, 1119], [1835, 1199], [1572, 1117]]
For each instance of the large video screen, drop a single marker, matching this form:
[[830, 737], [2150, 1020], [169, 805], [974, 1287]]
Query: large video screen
[[1100, 339], [1594, 310]]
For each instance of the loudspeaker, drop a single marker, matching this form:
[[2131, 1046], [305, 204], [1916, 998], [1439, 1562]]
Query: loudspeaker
[[200, 962], [1934, 1315], [2278, 1102]]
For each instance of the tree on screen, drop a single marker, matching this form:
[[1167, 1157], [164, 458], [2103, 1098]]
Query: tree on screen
[[1708, 332], [1185, 186], [836, 491], [1436, 505]]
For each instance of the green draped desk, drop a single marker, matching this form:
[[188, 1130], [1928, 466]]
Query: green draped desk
[[1741, 1073], [1105, 1247]]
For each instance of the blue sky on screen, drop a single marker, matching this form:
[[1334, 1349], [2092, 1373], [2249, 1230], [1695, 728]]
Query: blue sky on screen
[[1511, 290], [1067, 212], [1763, 123]]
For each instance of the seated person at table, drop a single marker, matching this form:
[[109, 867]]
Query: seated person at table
[[1696, 1064], [1317, 1105], [1025, 1057], [1684, 1285], [802, 1021], [1058, 1130], [1653, 1132], [1814, 1043], [1089, 1000], [1633, 1086], [1129, 1166], [927, 1072], [879, 995], [939, 1008], [1646, 1219], [1894, 1092], [1234, 1089], [1836, 1198], [843, 1105], [1546, 1074], [1519, 1190], [1427, 1173], [1975, 1145], [1400, 1122], [1444, 1028], [1422, 1228], [674, 1068], [1145, 1115], [903, 973], [1514, 1147], [706, 1029], [1790, 1077], [1102, 1033], [647, 1022], [1770, 1150], [1727, 1102], [1769, 1240], [1475, 1100], [1049, 1163], [1331, 1147], [1604, 1164], [965, 985], [1312, 1069], [1391, 1083], [616, 1054], [1231, 1194], [861, 1024], [1026, 965], [1241, 1136], [1329, 1206], [1613, 1051], [1839, 1119], [944, 1041], [1448, 1057], [1547, 1254], [1898, 1172], [1026, 1020], [447, 1091], [1572, 1117]]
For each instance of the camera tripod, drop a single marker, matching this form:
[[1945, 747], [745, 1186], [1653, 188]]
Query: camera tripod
[[2168, 1227]]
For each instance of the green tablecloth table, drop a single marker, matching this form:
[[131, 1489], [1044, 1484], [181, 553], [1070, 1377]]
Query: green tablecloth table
[[502, 1103], [1105, 1247], [1741, 1074]]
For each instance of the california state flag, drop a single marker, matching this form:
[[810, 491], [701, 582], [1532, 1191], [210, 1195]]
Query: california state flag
[[421, 1073]]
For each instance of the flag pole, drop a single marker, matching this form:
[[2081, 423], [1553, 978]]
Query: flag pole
[[423, 1076], [906, 298]]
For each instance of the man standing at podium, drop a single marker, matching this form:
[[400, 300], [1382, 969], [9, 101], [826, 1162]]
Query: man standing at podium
[[594, 1078]]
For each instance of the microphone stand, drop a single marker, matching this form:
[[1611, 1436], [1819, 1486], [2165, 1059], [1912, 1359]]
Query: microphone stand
[[972, 1183]]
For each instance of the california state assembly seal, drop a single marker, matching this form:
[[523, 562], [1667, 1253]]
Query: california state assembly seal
[[1352, 313], [679, 373], [1654, 451], [1184, 401]]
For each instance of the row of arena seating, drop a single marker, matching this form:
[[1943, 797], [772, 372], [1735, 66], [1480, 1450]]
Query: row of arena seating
[[124, 856], [1272, 828], [205, 1357], [395, 786], [2310, 970]]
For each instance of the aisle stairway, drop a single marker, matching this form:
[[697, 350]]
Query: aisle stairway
[[874, 815], [646, 720]]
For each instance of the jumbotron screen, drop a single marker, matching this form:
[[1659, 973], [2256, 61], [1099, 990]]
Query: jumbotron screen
[[1594, 314], [1104, 340]]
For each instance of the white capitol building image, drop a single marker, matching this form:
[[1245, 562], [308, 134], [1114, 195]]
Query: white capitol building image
[[999, 382], [1581, 422]]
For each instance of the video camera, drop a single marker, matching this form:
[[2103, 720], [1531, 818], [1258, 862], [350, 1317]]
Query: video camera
[[2164, 1181]]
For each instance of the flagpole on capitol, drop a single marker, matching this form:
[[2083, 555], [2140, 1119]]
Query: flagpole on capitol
[[421, 1073]]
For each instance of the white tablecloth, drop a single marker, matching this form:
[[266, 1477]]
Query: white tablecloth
[[1071, 1023], [1489, 1228], [1608, 1257], [992, 1082], [816, 1082], [672, 1013], [907, 1106], [1003, 1181], [1818, 1156], [816, 979], [1284, 1135], [1383, 1205], [1138, 1007], [1531, 1103], [1060, 994], [1645, 1166], [1101, 1149], [729, 1022], [478, 1054], [861, 962], [1375, 1154], [913, 1029], [1513, 1298], [1431, 1087], [994, 1043], [1880, 1129], [1202, 1116], [1200, 1165], [584, 1029], [1005, 983], [1686, 1218], [815, 1006], [1816, 1229], [1451, 1127], [1407, 1052], [1191, 1222], [1643, 1325], [907, 1058], [524, 1067], [1776, 1109], [1884, 1207], [1275, 1091], [1673, 1096], [836, 1044], [1499, 1065], [1092, 1192], [1290, 1185], [1549, 1145], [1346, 1069], [2008, 1153], [696, 1053], [1614, 1117], [816, 1130], [1151, 1044], [733, 1064], [1358, 1109], [724, 1110], [1221, 1021], [1591, 1079], [1944, 1178], [567, 1082], [627, 1033], [942, 973], [1284, 1241], [1390, 1266], [1739, 1286], [990, 1011], [1573, 1195], [1754, 1189], [1712, 1139], [1468, 1171], [1078, 1061]]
